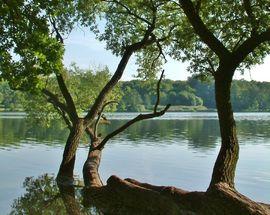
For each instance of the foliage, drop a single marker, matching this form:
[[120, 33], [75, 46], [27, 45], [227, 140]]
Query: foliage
[[138, 96], [43, 196], [84, 86], [9, 99], [127, 22], [29, 47], [230, 27]]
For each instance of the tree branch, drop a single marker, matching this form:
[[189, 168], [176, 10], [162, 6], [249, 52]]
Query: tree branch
[[58, 34], [251, 17], [99, 116], [60, 80], [129, 12], [55, 99], [59, 106], [212, 70], [203, 32], [147, 40], [67, 96], [158, 91], [250, 45], [138, 118], [90, 133]]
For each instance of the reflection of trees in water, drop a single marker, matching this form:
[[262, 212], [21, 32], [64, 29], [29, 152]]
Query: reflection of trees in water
[[253, 128], [200, 133], [11, 131], [43, 196], [15, 130]]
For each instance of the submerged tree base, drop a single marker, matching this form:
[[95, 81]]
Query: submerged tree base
[[132, 197]]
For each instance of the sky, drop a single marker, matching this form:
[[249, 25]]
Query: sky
[[87, 52]]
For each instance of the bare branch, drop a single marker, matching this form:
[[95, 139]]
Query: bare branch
[[158, 41], [138, 118], [158, 91], [238, 43], [60, 80], [64, 116], [100, 115]]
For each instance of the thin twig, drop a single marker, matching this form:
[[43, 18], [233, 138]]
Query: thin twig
[[138, 118], [212, 70], [100, 115], [158, 91]]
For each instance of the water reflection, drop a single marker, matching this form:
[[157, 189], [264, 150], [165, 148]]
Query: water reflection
[[190, 142], [200, 134], [16, 131], [43, 196]]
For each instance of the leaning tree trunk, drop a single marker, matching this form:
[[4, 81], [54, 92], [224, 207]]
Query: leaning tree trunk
[[65, 173], [90, 168], [225, 165]]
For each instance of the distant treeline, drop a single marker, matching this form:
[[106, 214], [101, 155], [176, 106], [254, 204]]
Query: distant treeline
[[245, 95], [182, 95]]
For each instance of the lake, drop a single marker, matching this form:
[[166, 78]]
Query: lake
[[178, 149]]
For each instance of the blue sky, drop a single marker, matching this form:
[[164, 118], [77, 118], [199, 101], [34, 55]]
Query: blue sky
[[83, 49]]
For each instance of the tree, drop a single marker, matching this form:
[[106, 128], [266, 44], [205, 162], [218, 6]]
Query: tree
[[221, 49], [40, 110], [217, 40], [32, 47]]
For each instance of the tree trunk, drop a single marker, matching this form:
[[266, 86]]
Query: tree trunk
[[65, 173], [225, 165], [90, 168], [132, 197]]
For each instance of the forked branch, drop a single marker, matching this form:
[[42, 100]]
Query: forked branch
[[100, 116], [138, 118], [59, 106]]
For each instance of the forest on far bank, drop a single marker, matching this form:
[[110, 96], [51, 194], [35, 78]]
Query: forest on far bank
[[190, 95]]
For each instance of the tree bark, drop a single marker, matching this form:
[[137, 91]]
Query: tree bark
[[132, 197], [225, 165], [90, 168], [65, 173]]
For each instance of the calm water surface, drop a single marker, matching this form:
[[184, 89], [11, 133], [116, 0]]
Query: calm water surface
[[178, 149]]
